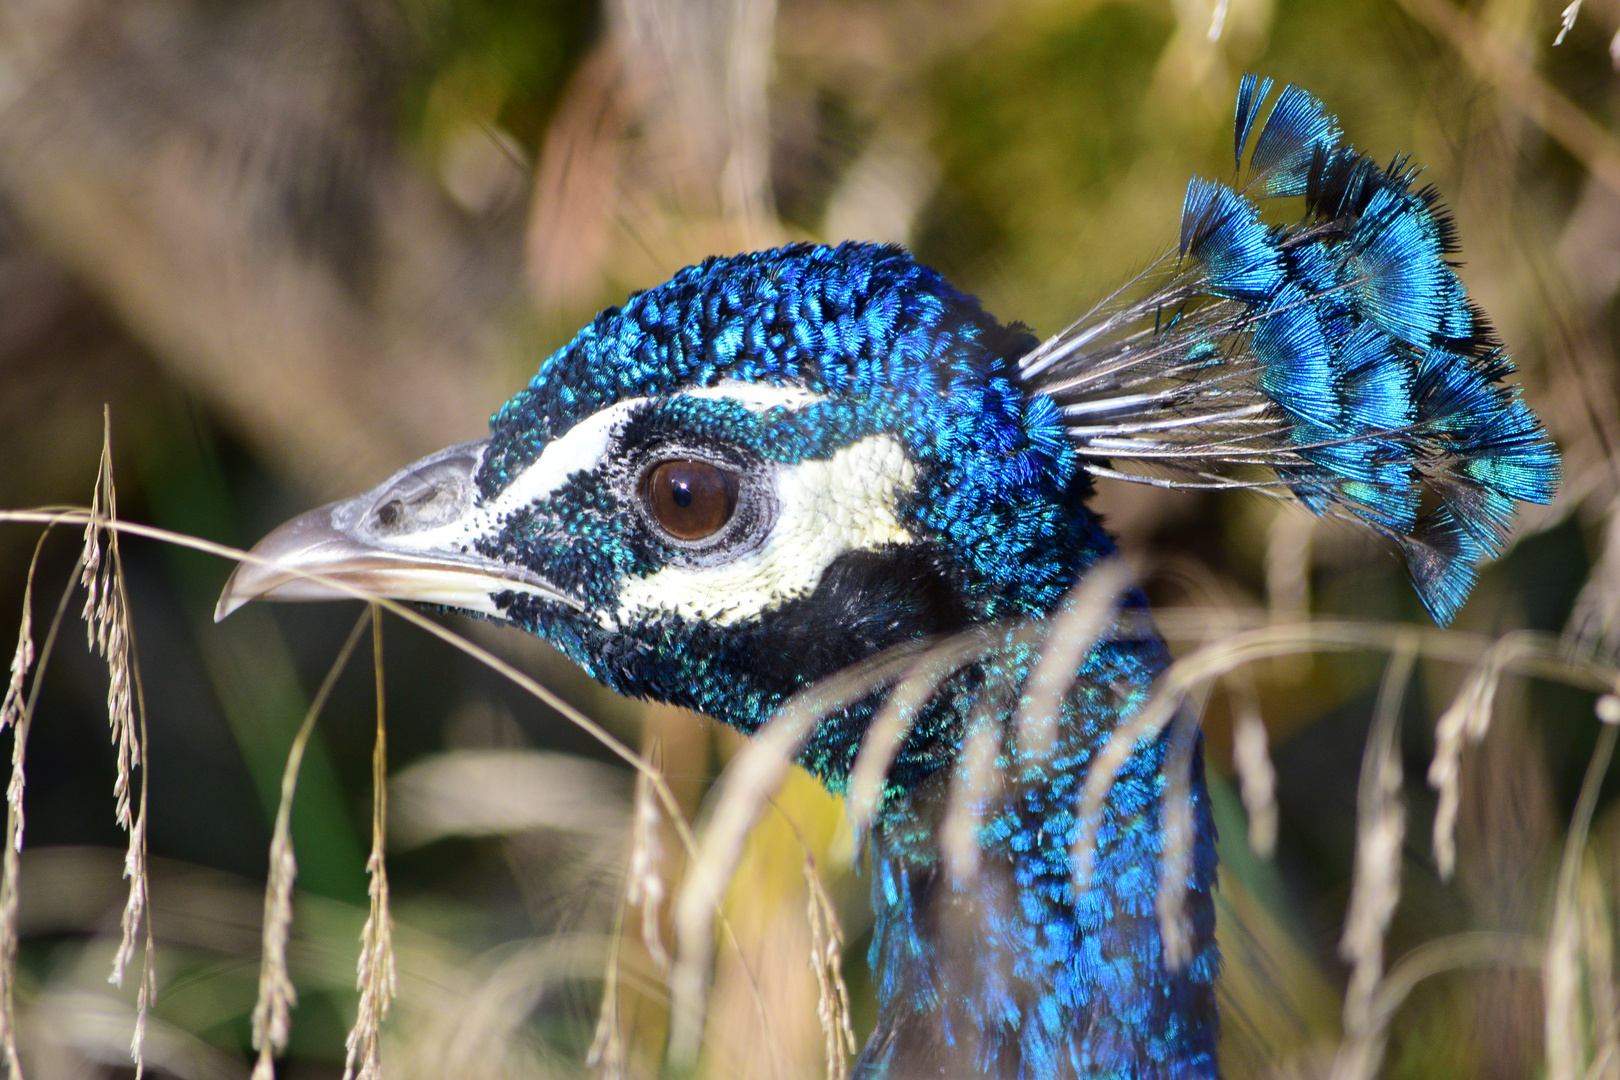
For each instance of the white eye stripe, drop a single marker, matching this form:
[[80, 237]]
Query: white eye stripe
[[826, 508], [758, 397], [579, 449], [588, 443]]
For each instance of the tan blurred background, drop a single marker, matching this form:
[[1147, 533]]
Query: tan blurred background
[[294, 244]]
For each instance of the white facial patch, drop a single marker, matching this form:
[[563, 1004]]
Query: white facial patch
[[824, 509], [757, 397], [579, 449], [582, 447]]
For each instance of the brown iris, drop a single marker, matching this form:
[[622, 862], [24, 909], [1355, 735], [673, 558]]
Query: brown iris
[[690, 499]]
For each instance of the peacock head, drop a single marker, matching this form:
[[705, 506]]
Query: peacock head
[[768, 468], [777, 464]]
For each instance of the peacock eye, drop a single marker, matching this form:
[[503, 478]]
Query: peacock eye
[[691, 500]]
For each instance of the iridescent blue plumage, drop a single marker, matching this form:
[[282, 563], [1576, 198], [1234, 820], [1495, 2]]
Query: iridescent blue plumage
[[1030, 982], [886, 465], [1337, 360]]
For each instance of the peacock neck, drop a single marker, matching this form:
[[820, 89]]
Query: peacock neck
[[1005, 973]]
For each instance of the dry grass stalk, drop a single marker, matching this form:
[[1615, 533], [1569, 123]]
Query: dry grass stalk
[[1597, 932], [1566, 21], [377, 980], [975, 785], [1561, 977], [888, 729], [472, 1017], [644, 886], [1361, 1056], [885, 669], [1544, 655], [753, 775], [107, 624], [1594, 623], [1503, 64], [1154, 716], [1468, 718], [1085, 615], [17, 714], [272, 1012], [1375, 883], [1176, 843], [607, 1054], [1288, 565], [826, 960], [1175, 687], [1251, 758]]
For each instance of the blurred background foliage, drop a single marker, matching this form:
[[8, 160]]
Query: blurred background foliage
[[296, 243]]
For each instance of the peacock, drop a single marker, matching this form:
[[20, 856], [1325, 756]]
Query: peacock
[[780, 464]]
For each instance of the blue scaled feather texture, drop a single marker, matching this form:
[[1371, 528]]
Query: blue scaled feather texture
[[1011, 973], [779, 466]]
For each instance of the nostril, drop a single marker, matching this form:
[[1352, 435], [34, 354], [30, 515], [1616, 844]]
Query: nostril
[[388, 514]]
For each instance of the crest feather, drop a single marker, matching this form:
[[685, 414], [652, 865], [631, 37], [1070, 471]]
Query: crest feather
[[1337, 361]]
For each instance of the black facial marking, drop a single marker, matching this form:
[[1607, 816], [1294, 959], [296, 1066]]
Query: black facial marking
[[865, 602]]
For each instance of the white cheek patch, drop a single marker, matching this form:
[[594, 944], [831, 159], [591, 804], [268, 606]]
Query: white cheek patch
[[824, 509]]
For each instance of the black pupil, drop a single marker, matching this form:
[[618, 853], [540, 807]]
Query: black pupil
[[691, 500]]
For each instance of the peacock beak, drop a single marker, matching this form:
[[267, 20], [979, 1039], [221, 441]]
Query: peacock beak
[[409, 538]]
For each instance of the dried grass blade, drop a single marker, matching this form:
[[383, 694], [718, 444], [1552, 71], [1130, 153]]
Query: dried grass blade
[[1561, 978], [1176, 846], [272, 1012], [644, 885], [976, 784], [377, 979], [1251, 758], [888, 729], [107, 626], [18, 714], [1153, 717], [1470, 949], [826, 960], [1086, 614], [1597, 933], [1466, 719], [1375, 884], [134, 919], [1288, 565], [111, 633], [607, 1053]]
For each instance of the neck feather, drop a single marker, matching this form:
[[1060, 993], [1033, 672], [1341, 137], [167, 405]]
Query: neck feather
[[1005, 973]]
